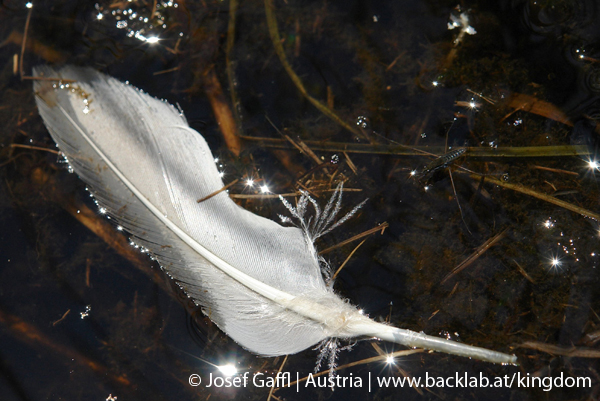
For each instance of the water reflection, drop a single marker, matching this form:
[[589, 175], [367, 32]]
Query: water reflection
[[529, 292]]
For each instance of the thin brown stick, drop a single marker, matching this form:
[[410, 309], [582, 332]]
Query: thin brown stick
[[279, 371], [62, 318], [556, 170], [393, 63], [573, 352], [17, 145], [88, 270], [49, 79], [16, 64], [276, 40], [347, 259], [308, 151], [380, 227], [218, 191], [222, 111], [539, 195], [30, 334], [475, 255], [523, 272], [24, 42], [286, 195], [487, 99], [153, 9], [166, 71], [351, 164], [263, 196], [302, 147]]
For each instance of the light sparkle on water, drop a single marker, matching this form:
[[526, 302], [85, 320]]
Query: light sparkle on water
[[228, 370]]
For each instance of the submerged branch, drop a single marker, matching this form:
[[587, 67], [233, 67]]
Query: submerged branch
[[381, 227], [475, 255], [222, 111], [573, 352], [31, 335]]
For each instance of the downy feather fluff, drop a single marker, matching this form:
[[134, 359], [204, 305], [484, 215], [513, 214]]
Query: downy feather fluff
[[260, 282]]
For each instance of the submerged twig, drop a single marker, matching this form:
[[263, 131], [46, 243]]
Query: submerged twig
[[30, 334], [18, 145], [380, 227], [301, 146], [572, 352], [278, 371], [475, 255], [539, 195], [276, 39], [347, 259], [222, 111], [286, 195], [24, 42], [62, 318], [556, 170], [218, 191], [523, 272]]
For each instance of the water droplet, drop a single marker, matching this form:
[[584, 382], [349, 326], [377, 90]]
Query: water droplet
[[362, 122]]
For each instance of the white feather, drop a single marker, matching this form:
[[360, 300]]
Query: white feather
[[261, 283]]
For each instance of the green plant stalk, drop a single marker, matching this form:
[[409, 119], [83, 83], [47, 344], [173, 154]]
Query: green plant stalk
[[524, 152]]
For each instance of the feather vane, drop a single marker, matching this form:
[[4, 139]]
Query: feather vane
[[260, 282]]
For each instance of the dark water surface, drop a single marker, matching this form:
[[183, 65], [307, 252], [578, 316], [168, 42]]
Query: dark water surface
[[526, 74]]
